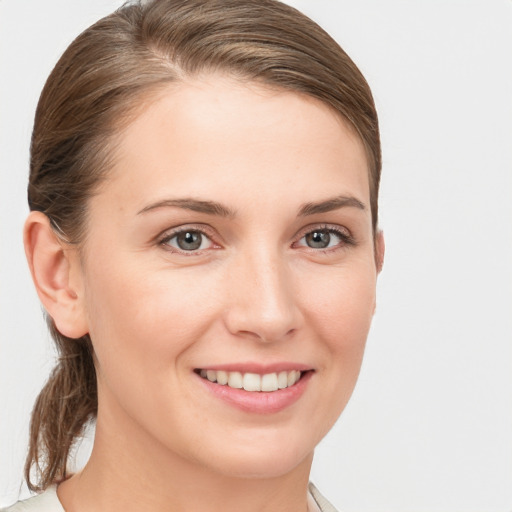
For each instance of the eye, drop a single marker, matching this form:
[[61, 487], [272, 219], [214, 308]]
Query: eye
[[188, 240], [325, 238], [319, 239]]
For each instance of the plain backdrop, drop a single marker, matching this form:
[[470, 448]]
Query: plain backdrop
[[429, 427]]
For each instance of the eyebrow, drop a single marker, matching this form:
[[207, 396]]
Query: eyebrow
[[328, 205], [196, 205], [214, 208]]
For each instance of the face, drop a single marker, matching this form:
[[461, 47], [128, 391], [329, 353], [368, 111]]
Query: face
[[228, 277]]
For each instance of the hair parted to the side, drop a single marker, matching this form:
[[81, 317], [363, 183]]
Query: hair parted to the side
[[99, 84]]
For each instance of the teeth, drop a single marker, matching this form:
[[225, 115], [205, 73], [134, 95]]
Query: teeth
[[235, 380], [252, 381], [269, 382], [282, 380], [222, 378], [293, 377]]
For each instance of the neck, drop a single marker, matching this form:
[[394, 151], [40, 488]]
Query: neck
[[145, 476]]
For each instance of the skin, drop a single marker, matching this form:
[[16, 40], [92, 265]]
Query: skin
[[254, 293]]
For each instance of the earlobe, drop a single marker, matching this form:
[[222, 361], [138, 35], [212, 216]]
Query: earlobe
[[56, 275]]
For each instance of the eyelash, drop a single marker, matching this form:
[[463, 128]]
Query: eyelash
[[164, 239], [346, 239]]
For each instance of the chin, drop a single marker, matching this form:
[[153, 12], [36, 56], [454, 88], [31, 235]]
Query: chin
[[261, 460]]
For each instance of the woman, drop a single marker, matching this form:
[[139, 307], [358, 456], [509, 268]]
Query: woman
[[203, 237]]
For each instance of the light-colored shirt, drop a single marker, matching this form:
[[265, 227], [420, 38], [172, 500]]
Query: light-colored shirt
[[48, 501]]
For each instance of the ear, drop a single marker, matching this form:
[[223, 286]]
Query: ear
[[57, 275], [380, 249]]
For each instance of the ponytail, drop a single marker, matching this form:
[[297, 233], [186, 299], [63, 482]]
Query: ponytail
[[64, 406]]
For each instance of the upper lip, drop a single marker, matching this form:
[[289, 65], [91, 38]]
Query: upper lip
[[259, 368]]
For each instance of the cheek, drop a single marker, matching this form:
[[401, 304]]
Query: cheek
[[142, 327], [340, 314], [341, 303], [143, 322]]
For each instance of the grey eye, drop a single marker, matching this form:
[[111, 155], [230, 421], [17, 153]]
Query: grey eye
[[318, 239], [324, 238], [189, 241]]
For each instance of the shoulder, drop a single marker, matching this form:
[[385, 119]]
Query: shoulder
[[49, 502], [45, 502], [321, 502]]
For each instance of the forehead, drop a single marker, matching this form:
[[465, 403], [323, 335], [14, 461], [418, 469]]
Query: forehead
[[217, 131]]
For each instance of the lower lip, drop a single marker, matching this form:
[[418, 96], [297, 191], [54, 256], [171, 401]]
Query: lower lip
[[259, 402]]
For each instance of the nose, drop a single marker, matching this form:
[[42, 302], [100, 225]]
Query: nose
[[262, 304]]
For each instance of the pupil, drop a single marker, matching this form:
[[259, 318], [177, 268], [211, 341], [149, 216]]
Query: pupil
[[318, 239], [189, 240]]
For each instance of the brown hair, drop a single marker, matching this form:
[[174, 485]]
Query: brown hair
[[98, 85]]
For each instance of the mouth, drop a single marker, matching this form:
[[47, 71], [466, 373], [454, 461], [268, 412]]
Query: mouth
[[254, 389], [253, 382]]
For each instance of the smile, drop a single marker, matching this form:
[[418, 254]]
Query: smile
[[267, 382]]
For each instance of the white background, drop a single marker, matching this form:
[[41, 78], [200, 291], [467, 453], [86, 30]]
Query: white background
[[429, 427]]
